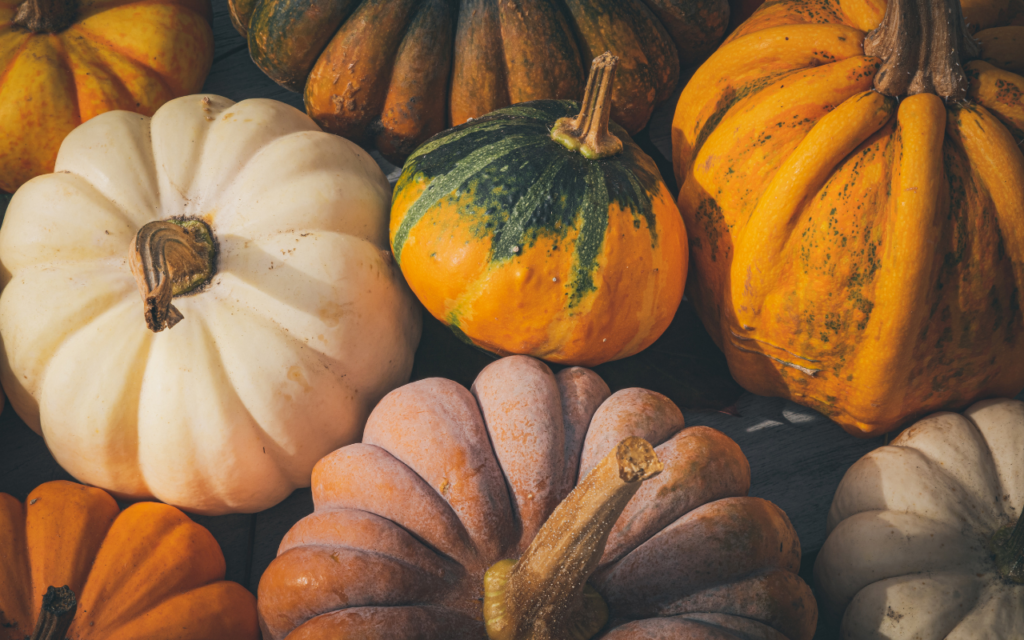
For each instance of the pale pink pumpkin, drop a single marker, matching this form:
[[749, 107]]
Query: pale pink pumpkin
[[447, 482]]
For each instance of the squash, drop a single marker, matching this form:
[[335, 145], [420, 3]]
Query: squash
[[395, 72], [77, 566], [858, 256], [199, 306], [63, 62], [449, 485], [926, 536], [530, 232], [740, 10]]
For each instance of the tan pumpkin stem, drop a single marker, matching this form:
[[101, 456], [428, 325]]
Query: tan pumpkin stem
[[544, 596], [170, 258], [923, 44], [588, 132], [46, 16], [56, 615]]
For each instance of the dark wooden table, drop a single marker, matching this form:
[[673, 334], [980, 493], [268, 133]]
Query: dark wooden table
[[797, 456]]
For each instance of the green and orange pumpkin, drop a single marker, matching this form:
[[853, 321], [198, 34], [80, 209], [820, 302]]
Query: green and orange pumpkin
[[861, 251], [525, 241], [395, 72]]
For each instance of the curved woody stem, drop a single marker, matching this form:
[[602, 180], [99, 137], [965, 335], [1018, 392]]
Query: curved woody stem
[[923, 44], [588, 132], [170, 258], [544, 595]]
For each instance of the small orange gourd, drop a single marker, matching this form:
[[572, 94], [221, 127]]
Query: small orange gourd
[[860, 255], [76, 566]]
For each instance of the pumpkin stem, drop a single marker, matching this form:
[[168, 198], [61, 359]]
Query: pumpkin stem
[[59, 607], [544, 596], [1009, 551], [922, 43], [46, 16], [170, 258], [588, 132]]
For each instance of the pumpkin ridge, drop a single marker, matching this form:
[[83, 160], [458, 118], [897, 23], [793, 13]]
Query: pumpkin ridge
[[97, 61], [15, 54], [511, 237], [443, 186], [95, 37], [591, 235]]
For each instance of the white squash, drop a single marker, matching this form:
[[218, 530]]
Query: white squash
[[922, 537], [305, 324]]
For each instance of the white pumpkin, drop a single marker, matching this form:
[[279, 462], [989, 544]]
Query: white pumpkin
[[305, 324], [915, 527]]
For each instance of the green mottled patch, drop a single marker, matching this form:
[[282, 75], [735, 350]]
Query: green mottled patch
[[512, 184]]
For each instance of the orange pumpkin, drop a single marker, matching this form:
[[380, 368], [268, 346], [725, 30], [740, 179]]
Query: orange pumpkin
[[449, 484], [65, 61], [861, 257], [147, 573]]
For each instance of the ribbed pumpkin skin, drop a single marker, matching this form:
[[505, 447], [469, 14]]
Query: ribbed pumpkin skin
[[118, 54], [861, 259], [522, 246], [145, 573], [395, 72]]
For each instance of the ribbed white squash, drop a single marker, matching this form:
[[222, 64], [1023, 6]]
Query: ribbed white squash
[[278, 360], [910, 530]]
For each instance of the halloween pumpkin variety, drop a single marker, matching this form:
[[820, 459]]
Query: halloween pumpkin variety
[[63, 62], [860, 256], [417, 530], [76, 566], [531, 231], [199, 306], [395, 72], [926, 537]]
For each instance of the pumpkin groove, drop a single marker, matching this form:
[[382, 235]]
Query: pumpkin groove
[[868, 266]]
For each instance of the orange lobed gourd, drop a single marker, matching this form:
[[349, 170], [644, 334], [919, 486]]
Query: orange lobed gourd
[[145, 573], [448, 483], [63, 62], [859, 255]]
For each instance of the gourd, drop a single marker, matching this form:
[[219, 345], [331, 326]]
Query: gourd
[[926, 538], [394, 72], [860, 256], [532, 232], [199, 306], [63, 62], [76, 566], [416, 530]]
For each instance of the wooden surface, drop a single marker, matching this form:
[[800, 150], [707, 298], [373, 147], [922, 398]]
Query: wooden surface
[[797, 456]]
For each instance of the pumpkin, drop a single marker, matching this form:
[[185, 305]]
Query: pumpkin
[[77, 566], [63, 62], [926, 537], [858, 256], [740, 10], [395, 72], [450, 486], [199, 306], [531, 232]]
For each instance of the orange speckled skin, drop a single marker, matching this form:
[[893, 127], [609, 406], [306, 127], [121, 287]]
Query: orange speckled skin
[[447, 482], [860, 257], [118, 54], [147, 573]]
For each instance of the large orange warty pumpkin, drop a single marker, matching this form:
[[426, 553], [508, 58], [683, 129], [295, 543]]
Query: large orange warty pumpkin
[[859, 254], [64, 61], [449, 484]]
